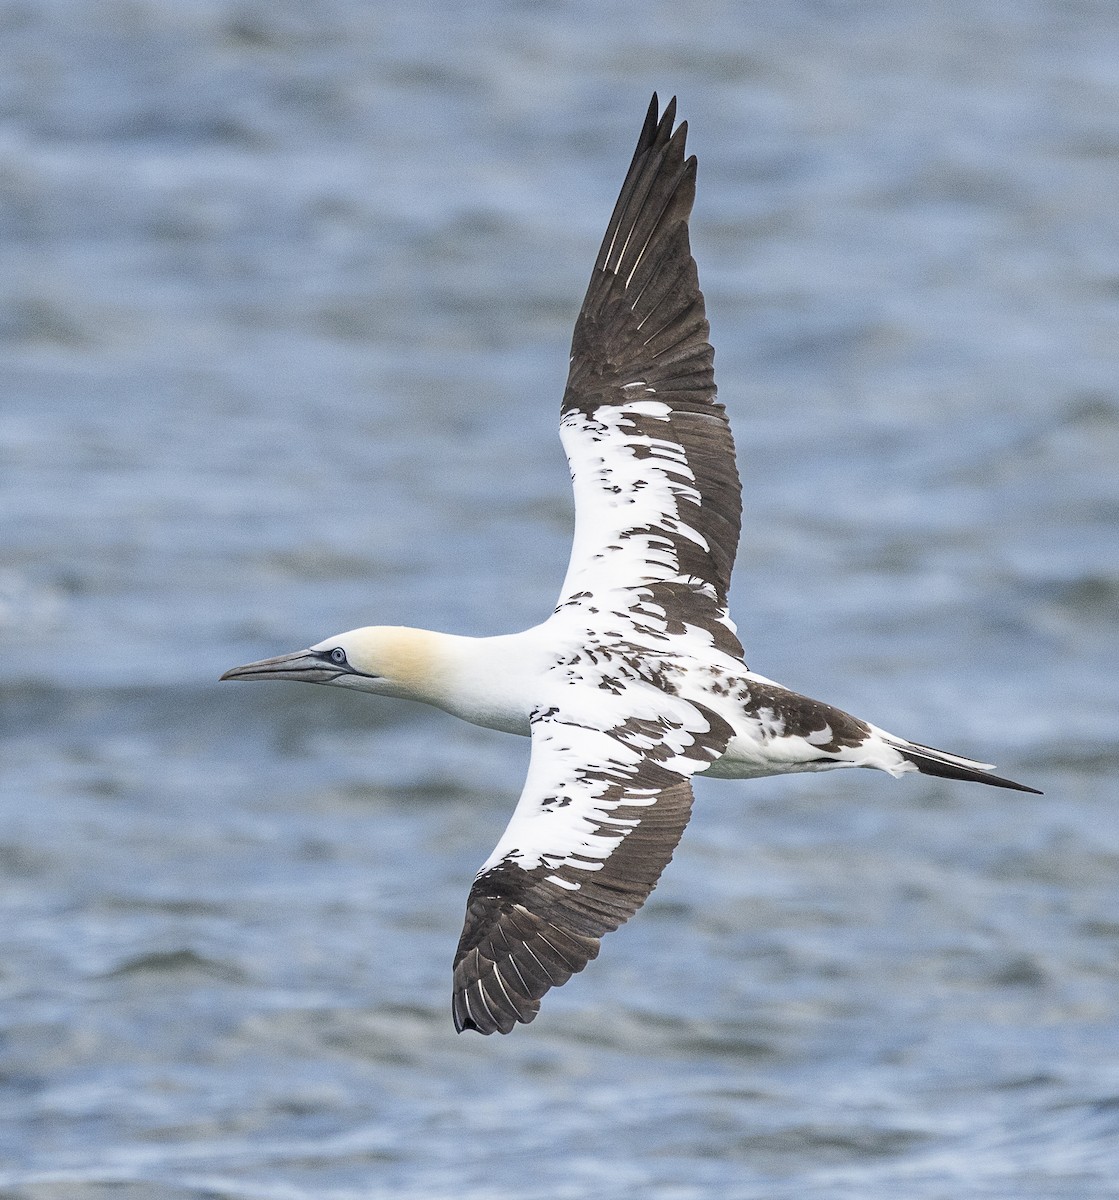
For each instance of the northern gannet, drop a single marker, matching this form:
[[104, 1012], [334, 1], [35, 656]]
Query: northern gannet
[[636, 681]]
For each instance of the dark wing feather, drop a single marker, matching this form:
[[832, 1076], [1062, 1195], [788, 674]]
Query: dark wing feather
[[642, 336], [604, 805], [526, 933]]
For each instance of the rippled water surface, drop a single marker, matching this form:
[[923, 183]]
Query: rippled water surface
[[287, 291]]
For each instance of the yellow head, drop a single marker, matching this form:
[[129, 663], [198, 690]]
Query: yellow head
[[388, 660]]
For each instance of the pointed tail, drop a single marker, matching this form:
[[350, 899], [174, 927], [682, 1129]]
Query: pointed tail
[[951, 766]]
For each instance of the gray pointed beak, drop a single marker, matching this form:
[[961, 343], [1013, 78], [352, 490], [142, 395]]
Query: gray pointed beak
[[306, 666]]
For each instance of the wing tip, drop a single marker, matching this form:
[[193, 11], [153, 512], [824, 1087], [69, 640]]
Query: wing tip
[[473, 1008], [660, 127]]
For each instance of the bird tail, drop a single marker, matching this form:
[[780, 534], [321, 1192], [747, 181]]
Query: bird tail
[[952, 766]]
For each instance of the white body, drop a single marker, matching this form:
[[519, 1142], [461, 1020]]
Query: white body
[[498, 682], [637, 681]]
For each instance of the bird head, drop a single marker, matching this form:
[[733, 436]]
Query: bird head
[[387, 660]]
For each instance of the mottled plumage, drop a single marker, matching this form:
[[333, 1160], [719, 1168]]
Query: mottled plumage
[[636, 682]]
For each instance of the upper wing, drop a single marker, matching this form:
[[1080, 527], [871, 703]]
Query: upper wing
[[605, 802], [657, 496]]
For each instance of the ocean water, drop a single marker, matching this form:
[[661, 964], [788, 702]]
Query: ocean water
[[287, 292]]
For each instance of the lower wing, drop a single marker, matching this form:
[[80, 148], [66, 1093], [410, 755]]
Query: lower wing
[[604, 805]]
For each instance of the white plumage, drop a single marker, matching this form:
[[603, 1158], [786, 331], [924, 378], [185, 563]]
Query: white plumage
[[636, 682]]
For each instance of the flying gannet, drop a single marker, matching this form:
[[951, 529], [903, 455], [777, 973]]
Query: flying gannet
[[636, 681]]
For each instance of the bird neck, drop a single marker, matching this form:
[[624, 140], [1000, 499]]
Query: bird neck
[[485, 681]]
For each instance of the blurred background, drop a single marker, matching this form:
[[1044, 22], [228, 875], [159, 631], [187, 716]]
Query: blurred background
[[287, 290]]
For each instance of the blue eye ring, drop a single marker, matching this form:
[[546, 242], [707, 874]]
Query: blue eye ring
[[338, 655]]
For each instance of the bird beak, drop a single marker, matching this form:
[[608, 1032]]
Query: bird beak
[[304, 665]]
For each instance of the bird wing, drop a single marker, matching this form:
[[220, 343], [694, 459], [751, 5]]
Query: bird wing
[[657, 495], [605, 802]]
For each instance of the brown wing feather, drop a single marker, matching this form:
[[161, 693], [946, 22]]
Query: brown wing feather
[[643, 318], [525, 934], [641, 387]]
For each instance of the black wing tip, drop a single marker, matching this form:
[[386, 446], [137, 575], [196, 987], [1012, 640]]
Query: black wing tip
[[656, 195], [489, 1013], [465, 1025], [658, 127], [468, 1024]]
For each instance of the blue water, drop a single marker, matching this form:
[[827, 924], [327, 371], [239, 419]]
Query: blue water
[[287, 292]]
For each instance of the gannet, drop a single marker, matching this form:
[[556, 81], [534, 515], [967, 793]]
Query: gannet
[[636, 682]]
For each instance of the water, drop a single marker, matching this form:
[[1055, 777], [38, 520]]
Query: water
[[287, 296]]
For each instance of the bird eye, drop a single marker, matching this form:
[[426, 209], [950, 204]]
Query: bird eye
[[338, 655]]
